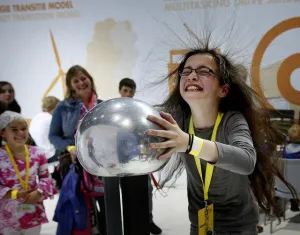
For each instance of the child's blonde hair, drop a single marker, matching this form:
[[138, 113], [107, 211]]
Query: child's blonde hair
[[294, 133], [49, 103]]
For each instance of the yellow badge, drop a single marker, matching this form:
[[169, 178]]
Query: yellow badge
[[206, 220]]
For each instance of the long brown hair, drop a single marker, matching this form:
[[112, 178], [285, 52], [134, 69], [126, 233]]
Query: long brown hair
[[14, 105], [245, 100], [71, 74]]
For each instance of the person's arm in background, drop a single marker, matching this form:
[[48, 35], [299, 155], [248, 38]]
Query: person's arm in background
[[56, 135]]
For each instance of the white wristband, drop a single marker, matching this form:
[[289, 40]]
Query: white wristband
[[40, 191], [197, 146]]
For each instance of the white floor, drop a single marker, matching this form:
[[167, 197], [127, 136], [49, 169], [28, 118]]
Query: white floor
[[170, 213]]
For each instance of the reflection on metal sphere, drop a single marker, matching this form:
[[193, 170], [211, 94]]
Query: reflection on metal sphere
[[111, 139]]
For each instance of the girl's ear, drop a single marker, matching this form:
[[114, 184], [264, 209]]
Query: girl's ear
[[224, 91], [2, 139]]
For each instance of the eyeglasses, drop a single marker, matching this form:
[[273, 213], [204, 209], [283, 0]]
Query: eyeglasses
[[202, 71]]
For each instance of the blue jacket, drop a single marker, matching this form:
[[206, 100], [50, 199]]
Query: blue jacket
[[292, 151], [71, 211], [64, 123], [127, 146]]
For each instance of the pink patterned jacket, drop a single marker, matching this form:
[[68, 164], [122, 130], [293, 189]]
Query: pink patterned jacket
[[13, 219]]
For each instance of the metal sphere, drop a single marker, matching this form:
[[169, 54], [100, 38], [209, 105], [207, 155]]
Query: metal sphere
[[111, 139]]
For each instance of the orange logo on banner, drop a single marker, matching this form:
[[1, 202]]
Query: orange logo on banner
[[61, 73], [286, 68], [173, 66]]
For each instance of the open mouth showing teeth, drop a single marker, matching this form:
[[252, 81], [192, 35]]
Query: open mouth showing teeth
[[193, 88]]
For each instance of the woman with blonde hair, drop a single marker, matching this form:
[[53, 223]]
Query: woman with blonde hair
[[40, 126], [81, 96]]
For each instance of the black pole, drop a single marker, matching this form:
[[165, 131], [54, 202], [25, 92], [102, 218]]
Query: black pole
[[112, 206], [135, 205]]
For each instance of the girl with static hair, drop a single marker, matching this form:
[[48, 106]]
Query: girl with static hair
[[223, 136], [21, 196]]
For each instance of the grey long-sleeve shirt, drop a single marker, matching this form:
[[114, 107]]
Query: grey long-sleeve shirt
[[235, 209]]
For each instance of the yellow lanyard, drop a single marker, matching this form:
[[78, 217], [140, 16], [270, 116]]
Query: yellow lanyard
[[209, 167], [23, 184]]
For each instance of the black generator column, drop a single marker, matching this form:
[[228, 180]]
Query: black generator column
[[112, 206], [135, 205]]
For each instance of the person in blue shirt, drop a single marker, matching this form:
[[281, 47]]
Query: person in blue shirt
[[292, 147], [292, 151]]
